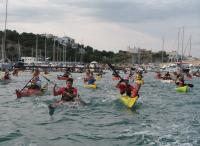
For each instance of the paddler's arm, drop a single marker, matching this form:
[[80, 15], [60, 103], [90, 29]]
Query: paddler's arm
[[59, 92]]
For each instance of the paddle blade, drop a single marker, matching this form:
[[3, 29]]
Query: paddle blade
[[190, 85]]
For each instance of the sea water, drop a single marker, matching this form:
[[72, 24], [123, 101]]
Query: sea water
[[160, 117]]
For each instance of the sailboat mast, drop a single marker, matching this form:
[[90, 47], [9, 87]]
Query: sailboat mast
[[54, 45], [2, 52], [4, 39], [36, 52], [63, 49], [57, 52], [182, 44], [178, 44], [163, 47], [19, 50], [45, 54], [190, 45]]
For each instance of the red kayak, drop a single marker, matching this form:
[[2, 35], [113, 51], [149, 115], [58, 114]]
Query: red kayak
[[115, 78], [5, 80], [30, 92], [62, 78]]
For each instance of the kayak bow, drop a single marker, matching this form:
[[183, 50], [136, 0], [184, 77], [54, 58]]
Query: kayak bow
[[128, 101]]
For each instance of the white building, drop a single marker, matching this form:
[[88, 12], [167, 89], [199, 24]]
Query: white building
[[29, 60]]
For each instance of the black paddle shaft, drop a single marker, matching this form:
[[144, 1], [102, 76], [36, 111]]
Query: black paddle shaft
[[112, 67], [27, 83]]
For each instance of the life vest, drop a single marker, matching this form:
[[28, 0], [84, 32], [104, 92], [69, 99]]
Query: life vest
[[138, 77], [67, 97]]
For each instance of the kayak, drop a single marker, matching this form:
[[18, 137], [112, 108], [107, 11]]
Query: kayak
[[30, 92], [115, 78], [128, 101], [62, 78], [47, 74], [189, 77], [71, 104], [5, 81], [93, 86], [182, 89]]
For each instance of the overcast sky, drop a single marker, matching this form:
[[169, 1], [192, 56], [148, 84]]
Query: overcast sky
[[110, 25]]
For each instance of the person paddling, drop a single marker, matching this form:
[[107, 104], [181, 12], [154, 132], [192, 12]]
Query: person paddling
[[15, 72], [167, 76], [35, 83], [67, 74], [46, 72], [180, 81], [36, 72], [91, 79], [86, 77], [128, 89], [7, 75], [124, 87], [158, 75], [69, 93]]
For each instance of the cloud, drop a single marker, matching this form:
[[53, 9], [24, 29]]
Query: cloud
[[108, 24], [138, 11]]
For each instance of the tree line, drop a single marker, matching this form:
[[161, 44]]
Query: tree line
[[79, 53]]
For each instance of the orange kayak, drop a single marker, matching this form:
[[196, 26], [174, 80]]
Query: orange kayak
[[115, 78]]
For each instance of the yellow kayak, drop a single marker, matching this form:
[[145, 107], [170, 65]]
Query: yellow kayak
[[93, 86], [128, 101], [182, 89]]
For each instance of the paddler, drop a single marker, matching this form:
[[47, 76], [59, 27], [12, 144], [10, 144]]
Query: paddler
[[180, 81], [46, 72], [91, 79], [129, 74], [7, 75], [167, 76], [124, 87], [128, 89], [69, 93], [35, 83], [15, 72], [36, 72], [138, 78], [66, 74], [86, 77], [158, 75]]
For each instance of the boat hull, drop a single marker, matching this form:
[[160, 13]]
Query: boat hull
[[183, 89], [128, 101]]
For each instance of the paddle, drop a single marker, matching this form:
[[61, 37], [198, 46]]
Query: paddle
[[27, 83], [190, 85], [49, 80], [113, 69]]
